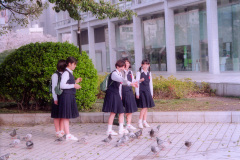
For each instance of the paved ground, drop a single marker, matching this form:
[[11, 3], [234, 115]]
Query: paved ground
[[210, 141]]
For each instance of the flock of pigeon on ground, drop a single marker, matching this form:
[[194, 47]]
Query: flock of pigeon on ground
[[126, 138]]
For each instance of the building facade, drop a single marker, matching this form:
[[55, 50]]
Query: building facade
[[175, 35]]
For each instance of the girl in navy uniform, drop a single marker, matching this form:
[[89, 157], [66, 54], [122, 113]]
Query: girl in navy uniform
[[67, 103], [112, 101], [128, 98], [144, 94], [55, 108]]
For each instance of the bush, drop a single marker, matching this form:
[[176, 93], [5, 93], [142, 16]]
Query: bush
[[26, 73], [4, 54]]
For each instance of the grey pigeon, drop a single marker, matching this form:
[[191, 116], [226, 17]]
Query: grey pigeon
[[152, 133], [28, 137], [131, 135], [159, 141], [188, 144], [63, 138], [15, 143], [84, 139], [121, 141], [155, 149], [13, 133], [108, 139], [29, 144], [138, 133], [5, 157], [158, 127], [162, 143]]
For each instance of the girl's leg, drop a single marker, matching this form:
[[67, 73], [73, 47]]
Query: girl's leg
[[140, 125], [61, 126], [110, 123], [121, 120], [56, 124], [145, 118], [129, 118], [66, 125]]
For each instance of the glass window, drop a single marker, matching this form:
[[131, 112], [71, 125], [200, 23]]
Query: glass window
[[191, 38], [154, 42], [125, 42], [229, 34]]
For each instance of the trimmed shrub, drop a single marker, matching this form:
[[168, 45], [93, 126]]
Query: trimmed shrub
[[4, 54], [25, 74]]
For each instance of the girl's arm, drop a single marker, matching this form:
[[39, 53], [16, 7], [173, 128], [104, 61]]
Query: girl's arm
[[120, 90], [63, 83], [120, 79], [137, 79], [151, 84], [54, 84]]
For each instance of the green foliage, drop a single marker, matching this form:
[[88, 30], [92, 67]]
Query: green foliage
[[25, 74], [4, 54], [100, 94]]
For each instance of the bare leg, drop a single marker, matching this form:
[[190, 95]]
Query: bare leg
[[145, 114], [129, 118], [142, 113], [121, 118], [61, 125], [56, 124], [66, 125], [111, 118]]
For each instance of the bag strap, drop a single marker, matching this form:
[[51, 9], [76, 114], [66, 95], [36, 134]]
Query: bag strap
[[59, 76]]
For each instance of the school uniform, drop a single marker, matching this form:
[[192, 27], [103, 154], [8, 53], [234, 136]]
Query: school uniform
[[145, 90], [112, 100], [55, 108], [128, 98], [67, 103]]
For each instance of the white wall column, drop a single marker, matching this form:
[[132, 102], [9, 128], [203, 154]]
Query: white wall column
[[170, 38], [74, 37], [59, 37], [91, 43], [213, 42], [112, 44], [137, 36]]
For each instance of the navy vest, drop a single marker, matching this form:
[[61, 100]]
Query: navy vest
[[144, 86], [113, 85], [70, 81], [129, 78]]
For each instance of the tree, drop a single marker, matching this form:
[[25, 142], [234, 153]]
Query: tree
[[101, 10], [21, 11]]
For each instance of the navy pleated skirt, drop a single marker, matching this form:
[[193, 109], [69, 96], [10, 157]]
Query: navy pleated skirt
[[129, 102], [54, 110], [145, 100], [68, 106], [112, 102]]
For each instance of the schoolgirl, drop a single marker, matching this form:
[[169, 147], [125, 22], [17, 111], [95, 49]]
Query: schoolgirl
[[67, 103], [61, 65], [144, 94], [128, 97], [112, 101]]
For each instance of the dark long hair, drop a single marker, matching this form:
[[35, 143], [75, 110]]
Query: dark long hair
[[127, 60], [71, 60], [61, 65], [145, 61]]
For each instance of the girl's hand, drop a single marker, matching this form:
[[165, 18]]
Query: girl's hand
[[134, 84], [78, 80], [77, 86], [137, 97], [121, 98], [141, 80], [56, 102]]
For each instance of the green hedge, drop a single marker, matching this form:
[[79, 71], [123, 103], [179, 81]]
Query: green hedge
[[25, 74]]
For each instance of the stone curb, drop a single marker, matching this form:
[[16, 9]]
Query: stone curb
[[153, 117]]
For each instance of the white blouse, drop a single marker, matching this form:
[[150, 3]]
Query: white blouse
[[138, 75], [65, 78], [117, 76], [54, 84]]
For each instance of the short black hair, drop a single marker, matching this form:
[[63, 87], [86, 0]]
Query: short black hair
[[61, 65], [71, 60], [120, 63], [127, 60]]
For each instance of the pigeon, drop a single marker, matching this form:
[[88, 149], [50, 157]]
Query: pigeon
[[131, 135], [162, 143], [122, 141], [63, 138], [152, 133], [155, 149], [5, 157], [158, 127], [28, 137], [159, 141], [29, 144], [108, 139], [84, 139], [188, 144], [15, 142], [138, 133], [13, 133]]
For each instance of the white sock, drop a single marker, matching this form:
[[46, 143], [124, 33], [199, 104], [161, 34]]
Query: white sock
[[109, 127], [128, 124], [144, 121], [120, 126], [140, 121]]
